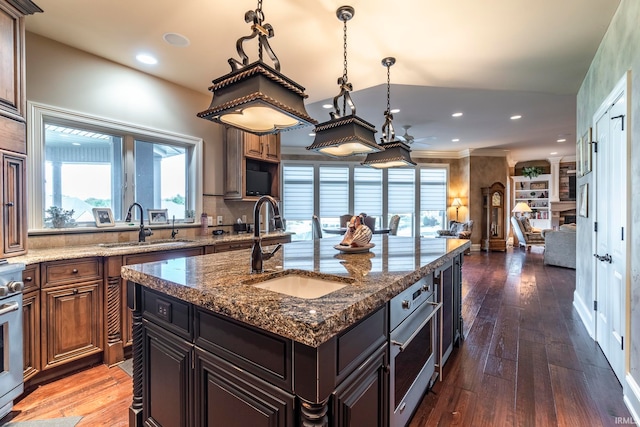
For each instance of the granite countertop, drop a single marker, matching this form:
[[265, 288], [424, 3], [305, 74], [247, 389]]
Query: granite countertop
[[126, 248], [222, 282]]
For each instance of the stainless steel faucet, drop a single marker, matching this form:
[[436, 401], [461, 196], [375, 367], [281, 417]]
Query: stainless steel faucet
[[257, 256], [143, 232]]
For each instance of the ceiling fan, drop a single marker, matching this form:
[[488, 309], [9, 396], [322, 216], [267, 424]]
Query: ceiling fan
[[410, 139]]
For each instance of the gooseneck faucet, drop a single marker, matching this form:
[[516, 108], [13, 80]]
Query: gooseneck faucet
[[257, 256], [143, 232]]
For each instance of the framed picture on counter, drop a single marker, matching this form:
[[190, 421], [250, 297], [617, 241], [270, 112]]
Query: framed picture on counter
[[158, 216], [103, 217]]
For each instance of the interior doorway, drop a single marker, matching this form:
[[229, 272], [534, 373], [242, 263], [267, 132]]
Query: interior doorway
[[610, 241]]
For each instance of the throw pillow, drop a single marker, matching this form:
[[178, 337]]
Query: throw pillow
[[526, 224], [456, 227]]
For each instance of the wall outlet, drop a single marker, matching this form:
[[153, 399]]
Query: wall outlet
[[219, 219], [244, 219], [209, 220]]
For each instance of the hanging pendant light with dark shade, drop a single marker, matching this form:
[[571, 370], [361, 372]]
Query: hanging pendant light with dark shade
[[257, 98], [344, 135], [395, 153]]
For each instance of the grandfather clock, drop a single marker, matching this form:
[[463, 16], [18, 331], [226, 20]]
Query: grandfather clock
[[494, 228]]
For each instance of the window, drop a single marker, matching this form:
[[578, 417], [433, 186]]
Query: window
[[78, 163], [433, 200], [334, 194], [401, 196], [297, 200], [418, 195], [367, 188]]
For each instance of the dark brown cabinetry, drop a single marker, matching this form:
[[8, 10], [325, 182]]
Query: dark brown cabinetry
[[251, 161], [71, 316], [12, 125], [449, 281], [31, 320], [246, 376]]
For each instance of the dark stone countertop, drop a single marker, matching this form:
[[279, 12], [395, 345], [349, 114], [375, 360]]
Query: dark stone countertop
[[222, 282]]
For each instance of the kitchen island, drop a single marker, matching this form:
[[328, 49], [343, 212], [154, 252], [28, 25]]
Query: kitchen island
[[212, 349]]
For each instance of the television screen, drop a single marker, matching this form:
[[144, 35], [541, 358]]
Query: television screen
[[258, 183]]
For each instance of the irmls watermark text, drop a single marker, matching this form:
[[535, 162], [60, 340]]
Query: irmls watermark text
[[624, 421]]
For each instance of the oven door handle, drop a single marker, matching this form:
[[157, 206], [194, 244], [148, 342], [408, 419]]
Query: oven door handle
[[404, 345], [8, 308]]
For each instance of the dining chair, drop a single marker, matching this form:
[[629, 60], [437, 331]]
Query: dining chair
[[316, 229], [344, 220], [370, 221], [393, 225]]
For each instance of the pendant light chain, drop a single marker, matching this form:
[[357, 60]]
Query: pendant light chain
[[345, 79], [260, 19], [388, 88]]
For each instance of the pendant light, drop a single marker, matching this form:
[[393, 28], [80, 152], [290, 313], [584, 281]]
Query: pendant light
[[395, 153], [257, 98], [344, 135]]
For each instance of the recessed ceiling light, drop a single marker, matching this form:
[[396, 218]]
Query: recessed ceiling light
[[554, 153], [146, 59], [458, 114], [395, 110], [312, 134], [175, 39], [75, 143], [327, 106], [516, 117], [562, 140], [455, 140]]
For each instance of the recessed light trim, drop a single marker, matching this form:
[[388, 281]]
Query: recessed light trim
[[457, 114], [312, 134], [145, 58], [516, 117], [455, 140], [553, 154], [327, 106], [395, 110], [561, 140], [175, 39]]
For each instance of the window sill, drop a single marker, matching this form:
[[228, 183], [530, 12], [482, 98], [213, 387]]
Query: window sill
[[119, 227]]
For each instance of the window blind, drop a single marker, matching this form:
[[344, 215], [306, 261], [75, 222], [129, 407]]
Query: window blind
[[433, 189], [367, 196], [297, 197], [334, 191]]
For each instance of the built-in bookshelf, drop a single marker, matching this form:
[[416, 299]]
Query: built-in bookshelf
[[535, 193]]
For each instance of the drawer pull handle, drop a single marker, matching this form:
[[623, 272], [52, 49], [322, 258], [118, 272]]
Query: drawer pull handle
[[9, 204], [28, 279], [74, 271], [75, 291]]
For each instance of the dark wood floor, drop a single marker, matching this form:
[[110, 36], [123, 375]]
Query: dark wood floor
[[526, 360]]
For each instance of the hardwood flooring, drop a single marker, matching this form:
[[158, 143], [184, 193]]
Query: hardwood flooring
[[526, 360]]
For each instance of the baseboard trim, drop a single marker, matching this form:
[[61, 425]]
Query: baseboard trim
[[631, 393], [585, 314]]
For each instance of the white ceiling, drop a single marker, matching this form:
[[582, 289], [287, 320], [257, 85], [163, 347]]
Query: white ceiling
[[488, 59]]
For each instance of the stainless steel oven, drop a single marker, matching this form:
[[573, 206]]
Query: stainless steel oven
[[11, 365], [413, 340]]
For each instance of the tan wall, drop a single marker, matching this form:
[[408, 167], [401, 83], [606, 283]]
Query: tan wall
[[483, 172]]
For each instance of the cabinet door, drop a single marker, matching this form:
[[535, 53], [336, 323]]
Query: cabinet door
[[72, 322], [228, 396], [271, 147], [14, 223], [361, 400], [31, 333], [167, 384], [253, 146], [234, 166]]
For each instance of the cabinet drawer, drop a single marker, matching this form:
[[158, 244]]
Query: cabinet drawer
[[74, 271], [170, 313], [234, 246], [31, 277]]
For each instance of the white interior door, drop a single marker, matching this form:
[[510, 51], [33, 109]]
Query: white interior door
[[610, 239]]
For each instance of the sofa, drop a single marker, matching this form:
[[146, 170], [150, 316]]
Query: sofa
[[560, 246], [457, 230]]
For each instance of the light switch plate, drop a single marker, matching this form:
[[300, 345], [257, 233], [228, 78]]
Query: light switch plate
[[209, 220], [219, 219], [244, 219]]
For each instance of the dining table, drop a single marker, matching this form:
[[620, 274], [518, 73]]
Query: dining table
[[342, 230]]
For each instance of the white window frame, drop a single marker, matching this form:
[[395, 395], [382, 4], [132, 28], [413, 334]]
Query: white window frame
[[37, 114]]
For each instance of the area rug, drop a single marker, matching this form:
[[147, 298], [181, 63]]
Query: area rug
[[127, 366], [54, 422]]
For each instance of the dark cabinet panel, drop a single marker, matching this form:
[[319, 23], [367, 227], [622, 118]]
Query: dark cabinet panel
[[167, 390], [361, 400], [227, 396], [31, 333]]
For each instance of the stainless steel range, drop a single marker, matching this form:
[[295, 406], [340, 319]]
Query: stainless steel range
[[11, 365], [414, 335]]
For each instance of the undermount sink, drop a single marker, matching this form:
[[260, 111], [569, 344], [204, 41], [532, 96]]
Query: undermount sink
[[301, 286], [166, 242]]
